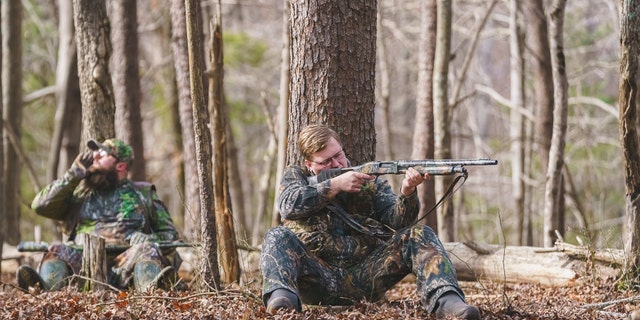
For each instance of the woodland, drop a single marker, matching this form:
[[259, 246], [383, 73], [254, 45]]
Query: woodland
[[211, 95]]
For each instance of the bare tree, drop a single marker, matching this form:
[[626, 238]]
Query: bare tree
[[126, 80], [181, 63], [12, 115], [94, 50], [65, 143], [442, 114], [209, 263], [517, 125], [227, 251], [629, 52], [3, 185], [560, 98], [538, 43], [423, 136], [338, 88]]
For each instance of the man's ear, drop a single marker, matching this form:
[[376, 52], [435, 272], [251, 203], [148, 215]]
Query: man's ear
[[121, 167]]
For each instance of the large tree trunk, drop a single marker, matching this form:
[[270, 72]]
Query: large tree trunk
[[423, 138], [227, 251], [12, 114], [94, 50], [629, 51], [442, 115], [126, 81], [337, 86], [3, 185], [553, 188], [192, 210], [209, 260]]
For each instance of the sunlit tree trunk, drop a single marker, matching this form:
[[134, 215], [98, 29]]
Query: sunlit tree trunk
[[556, 155], [209, 260], [442, 116], [423, 139]]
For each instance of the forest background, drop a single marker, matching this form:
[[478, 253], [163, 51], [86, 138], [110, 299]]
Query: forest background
[[480, 123]]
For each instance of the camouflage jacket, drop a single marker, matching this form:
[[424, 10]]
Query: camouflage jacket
[[114, 215], [303, 207]]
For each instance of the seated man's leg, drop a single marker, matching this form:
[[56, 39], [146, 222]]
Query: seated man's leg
[[416, 250], [145, 266], [60, 262], [291, 273]]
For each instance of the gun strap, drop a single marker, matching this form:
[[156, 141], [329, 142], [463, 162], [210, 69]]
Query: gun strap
[[346, 217], [447, 194]]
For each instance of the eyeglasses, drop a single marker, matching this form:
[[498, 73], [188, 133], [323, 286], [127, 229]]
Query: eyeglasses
[[338, 156], [104, 153]]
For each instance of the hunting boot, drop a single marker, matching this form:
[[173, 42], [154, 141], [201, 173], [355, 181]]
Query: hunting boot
[[283, 299], [450, 304], [149, 274], [29, 277], [55, 273]]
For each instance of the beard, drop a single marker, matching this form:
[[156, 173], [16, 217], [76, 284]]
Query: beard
[[101, 180]]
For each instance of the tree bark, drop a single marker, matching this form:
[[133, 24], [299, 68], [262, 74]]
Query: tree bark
[[442, 116], [12, 114], [227, 251], [126, 81], [209, 262], [629, 51], [94, 50], [94, 263], [333, 80], [556, 155], [423, 135], [192, 211]]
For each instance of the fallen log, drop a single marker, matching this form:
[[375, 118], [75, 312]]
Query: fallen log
[[562, 265]]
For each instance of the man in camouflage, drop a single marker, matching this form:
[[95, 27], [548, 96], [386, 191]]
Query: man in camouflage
[[95, 197], [319, 257]]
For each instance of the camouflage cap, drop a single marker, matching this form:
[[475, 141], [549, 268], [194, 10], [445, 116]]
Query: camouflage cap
[[114, 147]]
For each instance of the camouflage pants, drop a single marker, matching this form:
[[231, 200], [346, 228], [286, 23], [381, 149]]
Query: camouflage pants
[[287, 264], [121, 266]]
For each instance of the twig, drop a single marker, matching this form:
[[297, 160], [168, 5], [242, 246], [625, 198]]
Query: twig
[[600, 305]]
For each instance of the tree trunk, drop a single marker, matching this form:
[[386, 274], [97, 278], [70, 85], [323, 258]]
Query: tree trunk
[[3, 185], [629, 51], [383, 95], [94, 50], [227, 251], [564, 265], [442, 116], [209, 260], [337, 86], [126, 81], [12, 114], [517, 126], [65, 143], [556, 155], [94, 263], [423, 136], [192, 211], [283, 107]]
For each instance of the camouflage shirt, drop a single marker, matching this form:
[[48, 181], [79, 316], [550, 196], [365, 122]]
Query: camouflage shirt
[[113, 215], [303, 207]]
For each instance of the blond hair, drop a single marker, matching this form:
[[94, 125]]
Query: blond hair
[[314, 138]]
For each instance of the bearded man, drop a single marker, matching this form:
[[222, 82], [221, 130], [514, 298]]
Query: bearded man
[[95, 197]]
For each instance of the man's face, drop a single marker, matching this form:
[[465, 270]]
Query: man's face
[[103, 160], [330, 157], [102, 175]]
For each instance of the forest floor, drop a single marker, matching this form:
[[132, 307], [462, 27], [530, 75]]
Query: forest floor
[[596, 300]]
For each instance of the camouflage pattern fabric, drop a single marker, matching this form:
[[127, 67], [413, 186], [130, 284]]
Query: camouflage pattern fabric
[[114, 216], [323, 260]]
